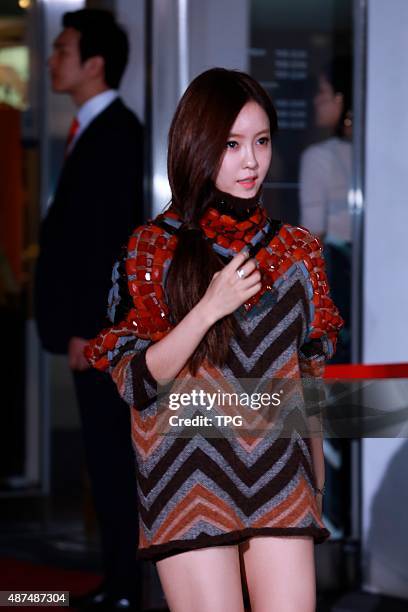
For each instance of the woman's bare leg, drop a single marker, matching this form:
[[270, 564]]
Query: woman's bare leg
[[204, 580], [280, 573]]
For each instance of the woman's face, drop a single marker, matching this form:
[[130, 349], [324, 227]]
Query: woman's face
[[328, 105], [248, 153]]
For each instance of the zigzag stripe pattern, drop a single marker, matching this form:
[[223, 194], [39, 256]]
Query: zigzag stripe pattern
[[205, 486], [200, 490]]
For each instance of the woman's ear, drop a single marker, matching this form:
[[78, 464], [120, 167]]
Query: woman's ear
[[339, 106], [339, 101]]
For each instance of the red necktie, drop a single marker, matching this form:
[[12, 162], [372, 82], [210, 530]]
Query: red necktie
[[71, 134]]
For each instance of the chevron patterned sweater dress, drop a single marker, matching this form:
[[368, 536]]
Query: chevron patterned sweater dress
[[199, 490]]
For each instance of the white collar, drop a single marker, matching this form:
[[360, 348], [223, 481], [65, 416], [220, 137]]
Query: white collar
[[90, 110], [94, 106]]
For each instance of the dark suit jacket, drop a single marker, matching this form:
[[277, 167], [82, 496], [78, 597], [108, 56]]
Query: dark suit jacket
[[97, 203]]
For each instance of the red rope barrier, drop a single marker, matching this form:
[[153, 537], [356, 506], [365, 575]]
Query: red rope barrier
[[359, 370]]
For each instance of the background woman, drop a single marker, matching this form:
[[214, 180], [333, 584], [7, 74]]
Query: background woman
[[214, 289], [325, 182]]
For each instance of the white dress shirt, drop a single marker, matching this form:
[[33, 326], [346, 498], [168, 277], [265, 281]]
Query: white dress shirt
[[90, 110], [325, 181]]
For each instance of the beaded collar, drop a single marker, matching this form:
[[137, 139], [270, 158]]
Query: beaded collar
[[228, 235], [230, 224], [238, 208]]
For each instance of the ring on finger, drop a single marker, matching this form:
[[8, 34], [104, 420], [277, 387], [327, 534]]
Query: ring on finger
[[241, 273]]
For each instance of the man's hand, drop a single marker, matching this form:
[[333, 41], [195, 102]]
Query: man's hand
[[76, 358]]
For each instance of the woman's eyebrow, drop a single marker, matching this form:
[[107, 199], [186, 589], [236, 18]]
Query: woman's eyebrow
[[266, 130]]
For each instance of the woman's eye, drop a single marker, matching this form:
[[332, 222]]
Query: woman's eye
[[264, 140], [231, 144]]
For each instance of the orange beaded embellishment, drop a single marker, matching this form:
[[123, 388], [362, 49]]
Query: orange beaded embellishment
[[279, 253]]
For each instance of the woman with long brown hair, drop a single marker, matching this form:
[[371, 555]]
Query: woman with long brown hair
[[214, 291]]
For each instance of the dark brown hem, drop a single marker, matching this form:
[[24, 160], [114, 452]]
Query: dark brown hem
[[162, 551]]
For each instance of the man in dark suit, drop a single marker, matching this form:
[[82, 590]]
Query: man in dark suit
[[98, 201]]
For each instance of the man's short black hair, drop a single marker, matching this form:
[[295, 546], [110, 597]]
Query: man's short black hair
[[101, 35]]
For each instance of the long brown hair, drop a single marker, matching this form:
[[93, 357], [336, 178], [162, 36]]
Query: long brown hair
[[197, 140]]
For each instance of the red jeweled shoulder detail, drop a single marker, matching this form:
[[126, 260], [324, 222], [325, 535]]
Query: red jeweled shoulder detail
[[289, 247], [149, 254], [297, 245]]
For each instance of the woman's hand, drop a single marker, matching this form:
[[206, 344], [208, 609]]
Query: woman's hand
[[226, 292], [231, 287]]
